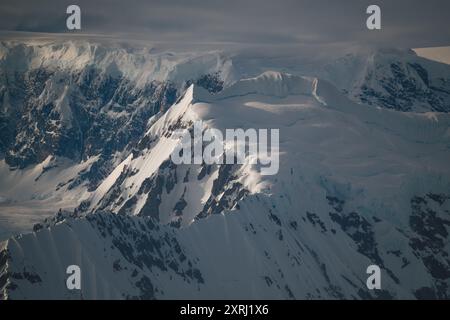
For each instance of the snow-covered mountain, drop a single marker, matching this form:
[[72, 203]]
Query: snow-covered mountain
[[358, 184], [69, 111], [393, 79]]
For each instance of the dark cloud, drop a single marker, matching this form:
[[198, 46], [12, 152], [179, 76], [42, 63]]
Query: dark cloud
[[404, 22]]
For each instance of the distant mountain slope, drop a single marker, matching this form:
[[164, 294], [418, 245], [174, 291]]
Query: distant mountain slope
[[393, 79]]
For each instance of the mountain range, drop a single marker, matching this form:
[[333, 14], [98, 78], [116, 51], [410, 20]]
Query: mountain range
[[86, 175]]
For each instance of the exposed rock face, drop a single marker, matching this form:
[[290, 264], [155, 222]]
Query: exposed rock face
[[80, 115]]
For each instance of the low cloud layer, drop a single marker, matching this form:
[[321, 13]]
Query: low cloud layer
[[404, 23]]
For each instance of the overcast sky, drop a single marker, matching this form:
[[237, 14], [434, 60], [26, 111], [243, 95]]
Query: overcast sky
[[407, 23]]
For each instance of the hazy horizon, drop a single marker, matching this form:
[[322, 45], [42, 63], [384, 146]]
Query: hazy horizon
[[412, 24]]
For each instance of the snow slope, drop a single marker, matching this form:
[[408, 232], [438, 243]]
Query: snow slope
[[28, 196]]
